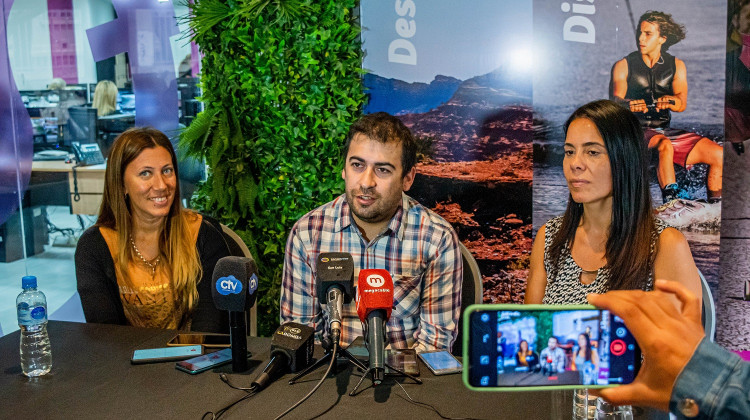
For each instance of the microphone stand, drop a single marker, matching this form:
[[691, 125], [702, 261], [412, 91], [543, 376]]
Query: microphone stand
[[323, 360], [393, 369]]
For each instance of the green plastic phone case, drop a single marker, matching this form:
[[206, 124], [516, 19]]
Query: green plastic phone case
[[515, 307]]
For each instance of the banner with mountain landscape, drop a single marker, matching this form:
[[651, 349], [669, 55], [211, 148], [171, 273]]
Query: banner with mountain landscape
[[459, 77]]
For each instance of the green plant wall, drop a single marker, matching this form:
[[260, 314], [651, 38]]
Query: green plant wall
[[281, 84]]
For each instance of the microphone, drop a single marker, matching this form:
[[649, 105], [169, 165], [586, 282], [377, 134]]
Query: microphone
[[235, 283], [291, 347], [335, 280], [374, 304]]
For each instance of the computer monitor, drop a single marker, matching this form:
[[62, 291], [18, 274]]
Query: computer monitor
[[126, 100], [81, 126], [92, 89]]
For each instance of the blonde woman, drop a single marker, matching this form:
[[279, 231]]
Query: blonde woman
[[148, 262], [105, 98]]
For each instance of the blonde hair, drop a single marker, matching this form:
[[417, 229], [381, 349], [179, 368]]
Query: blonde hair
[[105, 98], [176, 245], [57, 83]]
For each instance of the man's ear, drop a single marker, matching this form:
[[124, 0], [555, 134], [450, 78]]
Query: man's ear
[[408, 178]]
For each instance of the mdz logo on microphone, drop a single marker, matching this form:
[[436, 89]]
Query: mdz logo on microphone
[[375, 280], [228, 285]]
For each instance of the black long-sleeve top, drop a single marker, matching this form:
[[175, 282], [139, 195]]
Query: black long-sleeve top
[[100, 294]]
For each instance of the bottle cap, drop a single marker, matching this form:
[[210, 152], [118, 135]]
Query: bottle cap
[[28, 282]]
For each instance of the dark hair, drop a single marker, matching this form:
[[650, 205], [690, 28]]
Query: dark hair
[[587, 354], [628, 248], [673, 31], [385, 128], [527, 345]]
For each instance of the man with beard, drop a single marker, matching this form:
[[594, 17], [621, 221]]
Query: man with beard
[[381, 227]]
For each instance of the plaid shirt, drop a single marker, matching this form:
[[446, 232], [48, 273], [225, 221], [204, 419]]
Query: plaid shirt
[[420, 250]]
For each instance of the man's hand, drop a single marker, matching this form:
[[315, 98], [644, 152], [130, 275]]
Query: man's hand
[[638, 105], [669, 102], [668, 338]]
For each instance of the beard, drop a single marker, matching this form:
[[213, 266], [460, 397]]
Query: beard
[[382, 208]]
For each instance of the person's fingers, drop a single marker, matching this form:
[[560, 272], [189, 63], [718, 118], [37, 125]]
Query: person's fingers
[[621, 395], [691, 307], [637, 393], [625, 305], [643, 312]]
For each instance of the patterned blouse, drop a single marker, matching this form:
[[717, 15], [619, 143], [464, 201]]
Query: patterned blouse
[[566, 288]]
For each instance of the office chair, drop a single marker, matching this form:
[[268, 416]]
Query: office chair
[[471, 293], [238, 248]]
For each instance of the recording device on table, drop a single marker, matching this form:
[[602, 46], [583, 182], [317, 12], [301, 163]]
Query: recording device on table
[[440, 362], [207, 361], [401, 359], [165, 354], [234, 285], [492, 335], [205, 340]]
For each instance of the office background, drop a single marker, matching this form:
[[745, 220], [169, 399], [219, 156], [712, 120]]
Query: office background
[[478, 161]]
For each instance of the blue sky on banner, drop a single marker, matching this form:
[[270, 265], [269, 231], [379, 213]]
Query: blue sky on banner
[[415, 40]]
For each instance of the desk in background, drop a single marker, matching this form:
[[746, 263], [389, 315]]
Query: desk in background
[[90, 180]]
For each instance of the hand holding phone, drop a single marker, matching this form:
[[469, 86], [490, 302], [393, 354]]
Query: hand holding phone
[[165, 354]]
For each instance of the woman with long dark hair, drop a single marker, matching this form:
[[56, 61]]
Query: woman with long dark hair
[[147, 261], [608, 237], [586, 360]]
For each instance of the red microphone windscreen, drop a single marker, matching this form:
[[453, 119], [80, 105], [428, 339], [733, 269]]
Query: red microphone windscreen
[[374, 291]]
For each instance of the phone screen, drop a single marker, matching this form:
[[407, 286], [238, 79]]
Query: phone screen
[[165, 354], [207, 340], [544, 347], [440, 362], [205, 362], [402, 359]]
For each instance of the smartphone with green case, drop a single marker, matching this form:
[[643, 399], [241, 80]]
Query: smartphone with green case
[[566, 347]]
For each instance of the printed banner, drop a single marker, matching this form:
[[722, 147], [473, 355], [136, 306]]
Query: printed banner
[[459, 78], [586, 51]]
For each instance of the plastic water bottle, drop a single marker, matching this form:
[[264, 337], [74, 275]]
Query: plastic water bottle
[[36, 355]]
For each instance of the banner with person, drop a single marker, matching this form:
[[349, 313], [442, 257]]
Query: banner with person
[[647, 57]]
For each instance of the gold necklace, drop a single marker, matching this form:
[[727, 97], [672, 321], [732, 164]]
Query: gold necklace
[[151, 265]]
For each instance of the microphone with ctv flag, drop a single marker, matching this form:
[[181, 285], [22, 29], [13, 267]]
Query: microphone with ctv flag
[[234, 285]]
